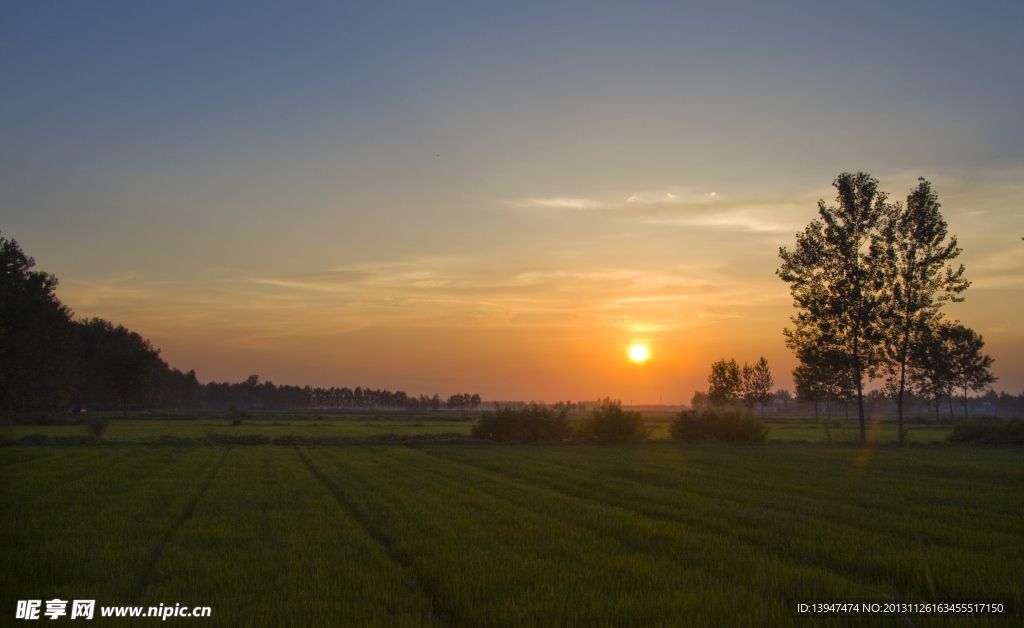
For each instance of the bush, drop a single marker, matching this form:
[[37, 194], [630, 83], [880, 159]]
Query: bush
[[237, 416], [988, 431], [97, 425], [717, 425], [525, 425], [608, 423]]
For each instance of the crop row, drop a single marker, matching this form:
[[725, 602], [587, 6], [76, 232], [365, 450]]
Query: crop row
[[513, 536]]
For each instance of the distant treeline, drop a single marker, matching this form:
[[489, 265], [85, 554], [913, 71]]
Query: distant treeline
[[252, 393], [48, 361]]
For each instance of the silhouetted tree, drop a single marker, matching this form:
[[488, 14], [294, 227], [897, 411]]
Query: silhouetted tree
[[119, 368], [700, 401], [758, 386], [38, 342], [823, 375], [837, 281], [462, 402], [918, 279], [177, 389], [724, 382], [745, 395], [970, 367], [785, 396]]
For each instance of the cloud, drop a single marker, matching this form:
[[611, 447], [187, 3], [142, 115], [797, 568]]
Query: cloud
[[662, 198], [738, 221], [564, 202], [694, 208]]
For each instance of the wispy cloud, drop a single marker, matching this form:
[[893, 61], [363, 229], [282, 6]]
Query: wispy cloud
[[740, 221], [692, 208], [563, 202]]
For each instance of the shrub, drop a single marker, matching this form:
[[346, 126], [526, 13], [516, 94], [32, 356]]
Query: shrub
[[97, 425], [526, 425], [608, 423], [721, 425], [988, 431], [237, 416]]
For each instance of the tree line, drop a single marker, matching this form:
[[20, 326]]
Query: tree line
[[869, 278], [49, 361], [253, 393]]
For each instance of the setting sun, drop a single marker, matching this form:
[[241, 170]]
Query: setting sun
[[638, 353]]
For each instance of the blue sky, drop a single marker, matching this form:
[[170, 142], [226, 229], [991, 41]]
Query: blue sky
[[394, 194]]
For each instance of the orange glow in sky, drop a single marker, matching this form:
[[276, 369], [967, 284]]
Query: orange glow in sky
[[501, 199]]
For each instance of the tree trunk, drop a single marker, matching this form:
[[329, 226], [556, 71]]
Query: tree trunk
[[903, 352], [899, 402], [860, 392]]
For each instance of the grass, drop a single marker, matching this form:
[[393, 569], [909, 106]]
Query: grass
[[270, 425], [651, 534], [150, 426]]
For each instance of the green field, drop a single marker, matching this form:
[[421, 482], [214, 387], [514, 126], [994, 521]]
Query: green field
[[151, 426], [651, 534]]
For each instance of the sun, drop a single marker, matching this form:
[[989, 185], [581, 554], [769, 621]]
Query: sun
[[638, 353]]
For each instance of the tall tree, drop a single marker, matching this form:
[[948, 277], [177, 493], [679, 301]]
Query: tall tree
[[836, 279], [724, 382], [759, 386], [37, 338], [746, 394], [119, 368], [919, 279]]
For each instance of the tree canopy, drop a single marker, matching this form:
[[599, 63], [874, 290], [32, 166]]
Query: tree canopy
[[836, 279], [918, 279], [868, 279], [38, 343]]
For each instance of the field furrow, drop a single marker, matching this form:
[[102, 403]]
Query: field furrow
[[442, 615], [535, 557], [88, 536], [269, 545], [894, 561], [186, 512]]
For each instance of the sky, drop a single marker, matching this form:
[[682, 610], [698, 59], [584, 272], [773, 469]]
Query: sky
[[497, 198]]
